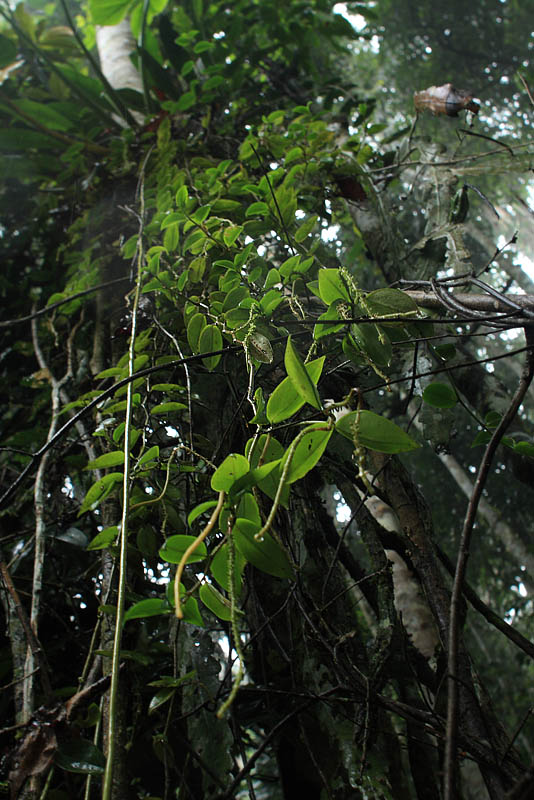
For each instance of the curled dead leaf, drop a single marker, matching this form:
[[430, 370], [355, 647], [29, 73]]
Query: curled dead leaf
[[445, 100]]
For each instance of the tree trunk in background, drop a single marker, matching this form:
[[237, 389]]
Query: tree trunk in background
[[115, 45]]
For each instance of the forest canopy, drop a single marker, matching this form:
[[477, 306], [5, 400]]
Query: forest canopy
[[266, 430]]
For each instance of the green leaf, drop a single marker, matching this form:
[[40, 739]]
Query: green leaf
[[306, 228], [108, 12], [219, 569], [492, 419], [270, 301], [331, 286], [170, 219], [167, 387], [257, 208], [524, 449], [231, 233], [167, 408], [307, 452], [384, 302], [289, 266], [285, 400], [267, 555], [233, 467], [215, 601], [160, 698], [196, 325], [171, 237], [376, 432], [373, 342], [234, 297], [323, 329], [47, 114], [149, 607], [104, 539], [445, 351], [175, 546], [189, 607], [186, 101], [440, 395], [80, 756], [151, 455], [210, 339], [182, 197], [200, 509], [273, 277], [298, 375], [99, 491], [107, 460], [201, 214]]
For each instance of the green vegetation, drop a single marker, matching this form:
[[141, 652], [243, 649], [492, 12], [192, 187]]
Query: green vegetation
[[216, 347]]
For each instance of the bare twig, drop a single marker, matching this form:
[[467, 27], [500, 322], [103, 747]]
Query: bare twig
[[8, 323], [450, 761]]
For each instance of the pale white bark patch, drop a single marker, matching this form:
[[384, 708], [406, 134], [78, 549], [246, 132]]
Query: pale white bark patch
[[115, 43]]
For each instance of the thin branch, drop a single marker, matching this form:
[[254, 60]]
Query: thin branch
[[450, 760], [485, 611], [31, 638], [8, 323], [113, 707]]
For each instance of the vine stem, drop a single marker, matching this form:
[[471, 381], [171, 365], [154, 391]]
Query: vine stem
[[450, 762], [191, 549], [281, 483], [123, 544]]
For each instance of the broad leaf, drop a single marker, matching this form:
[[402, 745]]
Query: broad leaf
[[440, 395], [285, 400], [267, 555], [175, 547], [375, 432], [299, 377], [215, 601], [150, 607], [307, 452], [233, 467]]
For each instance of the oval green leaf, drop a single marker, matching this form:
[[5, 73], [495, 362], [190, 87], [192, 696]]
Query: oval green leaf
[[80, 756], [107, 460], [175, 546], [215, 601], [307, 452], [331, 286], [149, 607], [440, 395], [376, 432], [233, 467], [103, 539], [267, 555], [210, 340]]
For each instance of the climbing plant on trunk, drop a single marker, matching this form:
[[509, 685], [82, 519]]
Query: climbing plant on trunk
[[232, 322]]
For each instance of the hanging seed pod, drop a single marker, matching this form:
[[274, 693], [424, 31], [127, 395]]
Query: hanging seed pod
[[445, 100]]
